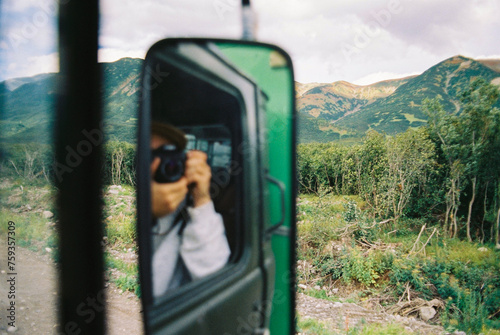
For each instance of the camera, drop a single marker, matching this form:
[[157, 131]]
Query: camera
[[172, 164]]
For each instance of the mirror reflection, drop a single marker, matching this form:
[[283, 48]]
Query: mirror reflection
[[188, 236], [208, 204], [196, 117]]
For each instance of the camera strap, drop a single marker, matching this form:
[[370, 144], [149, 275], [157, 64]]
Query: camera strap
[[182, 218]]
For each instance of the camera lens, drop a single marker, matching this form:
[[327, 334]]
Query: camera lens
[[172, 169]]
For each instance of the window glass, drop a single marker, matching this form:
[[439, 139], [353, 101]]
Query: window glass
[[191, 115], [28, 217]]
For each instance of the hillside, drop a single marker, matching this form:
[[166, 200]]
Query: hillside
[[28, 115], [326, 111], [342, 109]]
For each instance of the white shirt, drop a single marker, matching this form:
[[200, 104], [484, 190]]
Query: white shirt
[[200, 250]]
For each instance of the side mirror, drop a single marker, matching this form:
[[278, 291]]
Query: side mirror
[[216, 135]]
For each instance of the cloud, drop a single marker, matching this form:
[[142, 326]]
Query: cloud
[[141, 23], [29, 39], [34, 65], [20, 5], [486, 56], [349, 40], [381, 76], [328, 41], [111, 55]]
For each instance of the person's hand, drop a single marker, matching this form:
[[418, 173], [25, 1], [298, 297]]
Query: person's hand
[[166, 197], [198, 175]]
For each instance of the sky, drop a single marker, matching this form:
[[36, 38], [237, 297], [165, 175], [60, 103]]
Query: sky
[[359, 41]]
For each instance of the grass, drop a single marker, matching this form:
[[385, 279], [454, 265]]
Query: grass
[[127, 278], [24, 202], [128, 283], [332, 253], [319, 294], [32, 230], [120, 231], [311, 326], [411, 118], [385, 329], [327, 248], [120, 222], [468, 253]]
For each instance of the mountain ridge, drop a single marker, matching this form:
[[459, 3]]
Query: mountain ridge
[[326, 111], [396, 111]]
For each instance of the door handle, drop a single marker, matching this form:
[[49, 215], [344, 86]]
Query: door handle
[[277, 227]]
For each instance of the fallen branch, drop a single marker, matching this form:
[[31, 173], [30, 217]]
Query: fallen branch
[[494, 314], [418, 239], [423, 247], [15, 167], [411, 307], [382, 222], [407, 291]]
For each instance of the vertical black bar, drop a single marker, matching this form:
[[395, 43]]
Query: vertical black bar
[[144, 217], [78, 146]]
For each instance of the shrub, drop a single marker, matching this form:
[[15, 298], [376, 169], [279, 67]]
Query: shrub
[[119, 163], [365, 268]]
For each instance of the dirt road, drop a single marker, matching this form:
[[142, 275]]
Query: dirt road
[[36, 298], [36, 303]]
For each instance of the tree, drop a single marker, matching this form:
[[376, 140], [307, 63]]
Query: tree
[[469, 144], [479, 128], [443, 129], [374, 161], [409, 156]]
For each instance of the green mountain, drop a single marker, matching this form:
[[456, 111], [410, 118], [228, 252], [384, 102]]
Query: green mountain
[[326, 112], [335, 101], [28, 113], [121, 95], [29, 104], [345, 110]]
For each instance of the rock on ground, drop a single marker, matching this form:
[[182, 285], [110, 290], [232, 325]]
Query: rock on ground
[[341, 316]]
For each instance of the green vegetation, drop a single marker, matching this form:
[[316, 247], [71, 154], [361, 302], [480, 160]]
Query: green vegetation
[[123, 274], [342, 247], [390, 111], [415, 215], [28, 111], [34, 163], [410, 216], [314, 327], [448, 168], [411, 118], [25, 207], [29, 202], [121, 236]]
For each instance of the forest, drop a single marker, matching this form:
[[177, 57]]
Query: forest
[[393, 221], [448, 170], [408, 222]]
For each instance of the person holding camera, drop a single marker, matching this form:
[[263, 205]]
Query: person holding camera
[[189, 240]]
